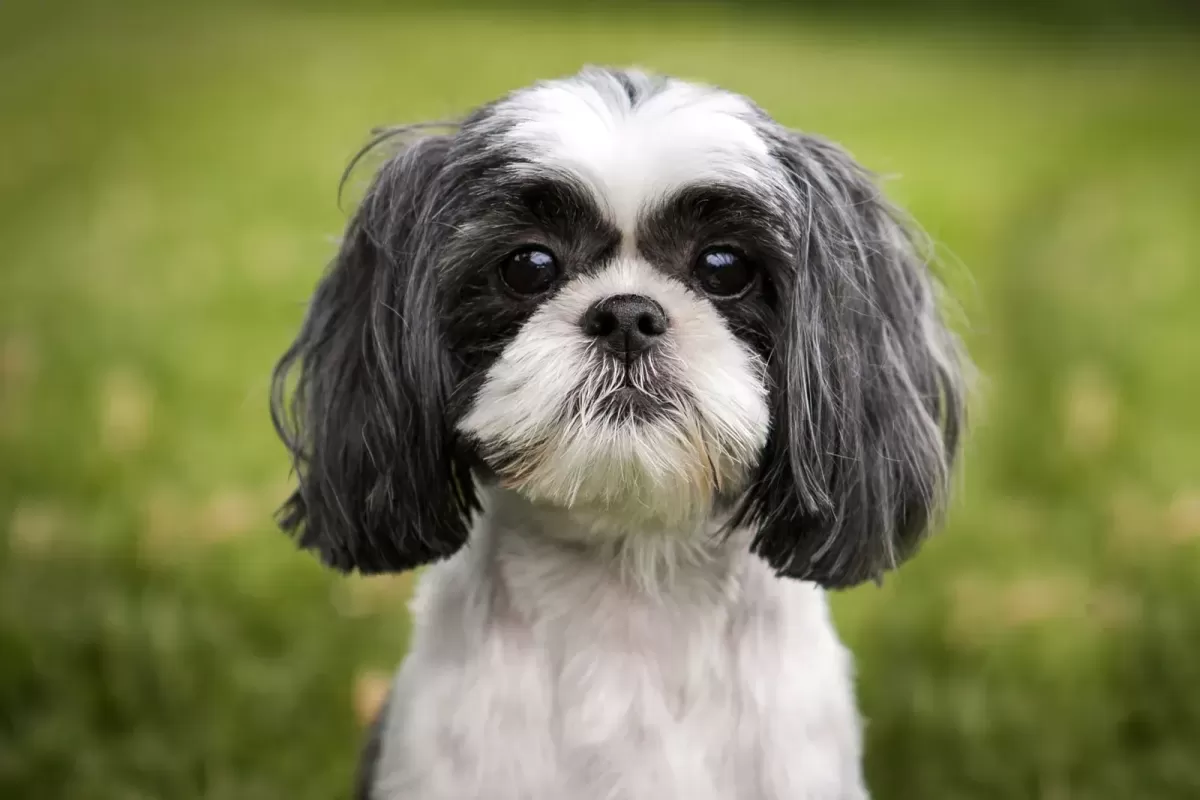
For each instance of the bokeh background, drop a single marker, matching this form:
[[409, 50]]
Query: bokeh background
[[168, 179]]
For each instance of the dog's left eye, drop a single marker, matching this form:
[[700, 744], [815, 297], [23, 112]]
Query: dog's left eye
[[724, 272], [529, 271]]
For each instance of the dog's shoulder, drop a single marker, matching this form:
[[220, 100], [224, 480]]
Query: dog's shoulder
[[372, 749]]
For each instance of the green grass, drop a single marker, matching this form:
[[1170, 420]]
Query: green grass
[[167, 198]]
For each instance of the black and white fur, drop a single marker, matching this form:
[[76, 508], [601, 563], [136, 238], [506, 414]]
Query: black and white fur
[[631, 547]]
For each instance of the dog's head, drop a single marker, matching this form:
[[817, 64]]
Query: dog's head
[[638, 298]]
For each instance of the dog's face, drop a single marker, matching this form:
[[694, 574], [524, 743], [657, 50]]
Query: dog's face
[[636, 298], [611, 296]]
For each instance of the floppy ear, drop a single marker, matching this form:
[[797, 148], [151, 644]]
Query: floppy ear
[[380, 485], [867, 397]]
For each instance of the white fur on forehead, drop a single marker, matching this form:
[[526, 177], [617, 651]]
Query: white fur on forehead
[[630, 152]]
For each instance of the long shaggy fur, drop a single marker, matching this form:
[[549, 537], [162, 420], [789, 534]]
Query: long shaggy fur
[[869, 400], [373, 379]]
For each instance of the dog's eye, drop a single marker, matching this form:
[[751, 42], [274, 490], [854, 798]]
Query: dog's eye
[[529, 271], [723, 272]]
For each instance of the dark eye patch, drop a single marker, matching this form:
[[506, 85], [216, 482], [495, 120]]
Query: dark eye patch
[[524, 236], [559, 207], [674, 233], [727, 244]]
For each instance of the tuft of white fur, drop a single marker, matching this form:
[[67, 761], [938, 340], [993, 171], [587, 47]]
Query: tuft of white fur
[[542, 403], [632, 154]]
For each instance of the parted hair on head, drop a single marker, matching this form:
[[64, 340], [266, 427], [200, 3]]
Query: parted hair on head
[[635, 297]]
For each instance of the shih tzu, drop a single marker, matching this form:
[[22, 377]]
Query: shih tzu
[[643, 372]]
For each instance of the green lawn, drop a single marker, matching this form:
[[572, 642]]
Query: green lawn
[[167, 199]]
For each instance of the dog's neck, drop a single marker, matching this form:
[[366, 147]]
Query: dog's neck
[[536, 653], [549, 564]]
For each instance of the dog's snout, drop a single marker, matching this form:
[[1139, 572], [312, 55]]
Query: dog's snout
[[625, 324]]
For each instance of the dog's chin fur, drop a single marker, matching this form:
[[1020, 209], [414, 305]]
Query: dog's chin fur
[[649, 497], [626, 476], [630, 542], [643, 551], [633, 480]]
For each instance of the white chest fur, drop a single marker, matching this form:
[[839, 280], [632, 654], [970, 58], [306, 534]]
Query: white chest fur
[[538, 671]]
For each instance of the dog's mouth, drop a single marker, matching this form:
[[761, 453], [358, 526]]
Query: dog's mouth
[[630, 403], [633, 403]]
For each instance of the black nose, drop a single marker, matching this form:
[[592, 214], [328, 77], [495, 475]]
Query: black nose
[[626, 324]]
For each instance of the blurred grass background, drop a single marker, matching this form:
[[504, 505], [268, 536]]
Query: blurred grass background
[[167, 199]]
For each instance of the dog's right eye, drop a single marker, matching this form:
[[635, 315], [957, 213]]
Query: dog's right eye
[[530, 271]]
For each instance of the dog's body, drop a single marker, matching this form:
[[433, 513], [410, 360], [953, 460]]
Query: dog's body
[[644, 372], [538, 671]]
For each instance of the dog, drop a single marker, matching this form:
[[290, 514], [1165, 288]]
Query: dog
[[641, 373]]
